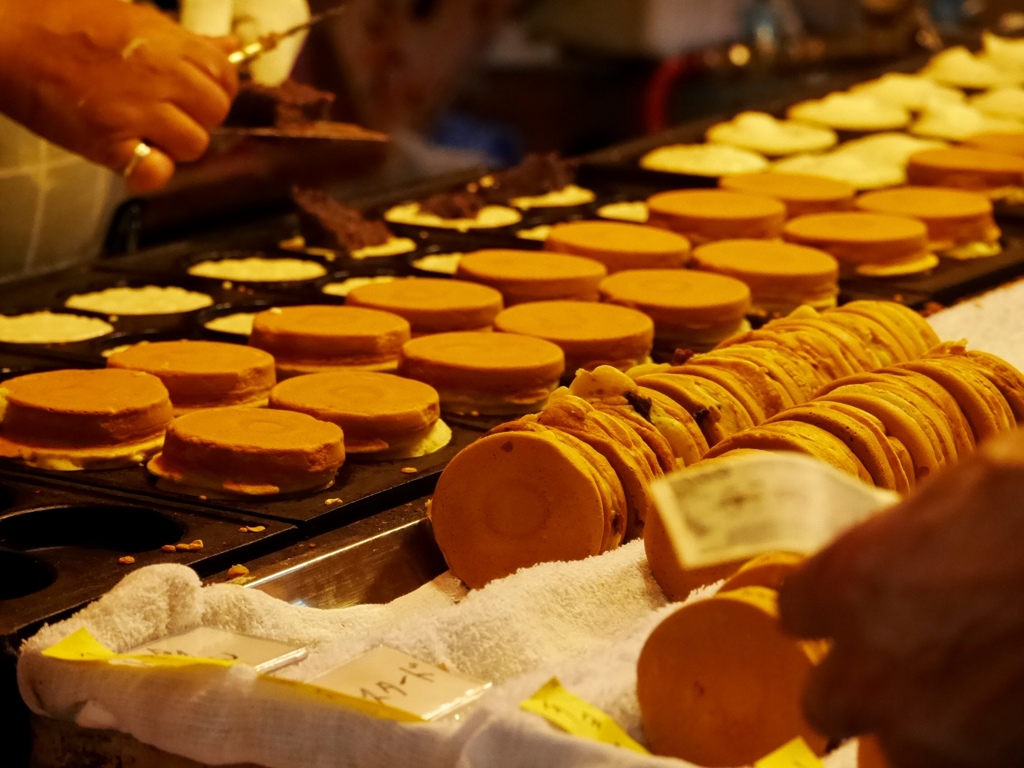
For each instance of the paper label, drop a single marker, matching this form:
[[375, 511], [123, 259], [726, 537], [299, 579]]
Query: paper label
[[389, 677], [210, 643], [574, 715], [772, 502], [202, 645], [795, 754]]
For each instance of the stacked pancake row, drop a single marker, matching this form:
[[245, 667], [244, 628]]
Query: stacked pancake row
[[574, 480]]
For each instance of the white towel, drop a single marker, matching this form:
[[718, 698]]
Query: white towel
[[584, 622]]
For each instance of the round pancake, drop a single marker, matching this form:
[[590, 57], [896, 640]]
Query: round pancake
[[78, 419], [531, 276], [1007, 379], [963, 436], [1004, 143], [896, 459], [812, 345], [801, 193], [952, 216], [771, 395], [249, 451], [705, 215], [966, 168], [857, 356], [897, 421], [786, 435], [376, 411], [913, 331], [867, 445], [899, 392], [620, 245], [202, 374], [432, 305], [855, 238], [766, 570], [685, 305], [985, 408], [781, 276], [766, 360], [735, 385], [675, 580], [511, 500], [883, 343], [308, 339], [716, 411], [590, 334], [489, 373], [720, 683]]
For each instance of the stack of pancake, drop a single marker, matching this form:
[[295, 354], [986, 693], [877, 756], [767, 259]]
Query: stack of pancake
[[573, 480]]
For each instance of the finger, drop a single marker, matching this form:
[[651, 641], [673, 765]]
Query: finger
[[151, 174], [175, 133], [212, 61], [200, 98], [144, 175], [839, 694]]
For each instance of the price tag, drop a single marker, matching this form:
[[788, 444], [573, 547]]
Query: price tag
[[795, 754], [210, 643], [576, 716], [767, 502], [390, 678], [202, 645]]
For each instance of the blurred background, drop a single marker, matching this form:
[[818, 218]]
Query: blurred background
[[467, 83]]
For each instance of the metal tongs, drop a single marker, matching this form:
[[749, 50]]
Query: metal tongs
[[270, 41]]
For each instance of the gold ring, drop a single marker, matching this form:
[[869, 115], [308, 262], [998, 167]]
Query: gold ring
[[141, 152]]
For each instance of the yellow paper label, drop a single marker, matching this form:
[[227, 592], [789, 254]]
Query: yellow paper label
[[574, 715], [795, 754], [82, 646]]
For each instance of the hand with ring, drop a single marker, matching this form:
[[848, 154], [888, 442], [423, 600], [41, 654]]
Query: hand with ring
[[115, 82]]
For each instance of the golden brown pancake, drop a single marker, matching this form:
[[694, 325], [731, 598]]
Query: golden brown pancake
[[1007, 379], [716, 411], [857, 356], [865, 240], [675, 580], [781, 434], [983, 405], [811, 345], [954, 217], [720, 683], [869, 444], [312, 339], [766, 360], [770, 394], [966, 168], [781, 276], [690, 309], [766, 570], [620, 245], [203, 374], [913, 331], [530, 276], [515, 499], [799, 192], [249, 452], [485, 373], [83, 419], [706, 215], [729, 380], [894, 415], [590, 334], [883, 342], [1005, 143], [382, 415], [432, 305]]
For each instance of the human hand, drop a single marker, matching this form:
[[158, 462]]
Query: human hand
[[925, 606], [99, 76]]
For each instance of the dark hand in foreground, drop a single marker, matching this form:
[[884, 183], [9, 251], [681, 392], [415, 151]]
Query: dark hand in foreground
[[98, 76], [925, 604]]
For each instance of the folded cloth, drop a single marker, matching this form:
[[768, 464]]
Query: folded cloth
[[584, 622]]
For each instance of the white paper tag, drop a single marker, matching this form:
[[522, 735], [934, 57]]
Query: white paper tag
[[772, 502], [210, 643], [389, 676]]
